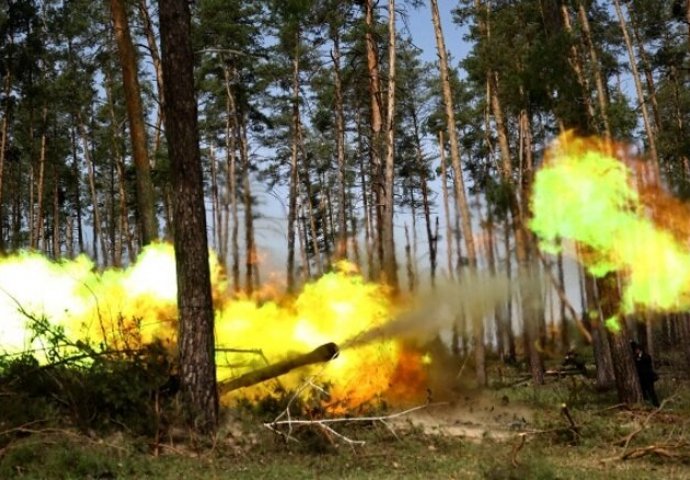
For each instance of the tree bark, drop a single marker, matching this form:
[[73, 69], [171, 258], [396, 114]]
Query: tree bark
[[137, 129], [97, 225], [446, 206], [341, 246], [38, 235], [156, 60], [627, 381], [651, 137], [602, 96], [232, 134], [390, 267], [575, 62], [4, 126], [459, 182], [376, 105], [252, 256], [196, 335]]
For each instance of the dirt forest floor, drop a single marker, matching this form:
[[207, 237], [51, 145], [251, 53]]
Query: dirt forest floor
[[500, 433]]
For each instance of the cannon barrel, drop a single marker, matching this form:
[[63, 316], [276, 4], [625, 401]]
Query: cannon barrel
[[320, 354]]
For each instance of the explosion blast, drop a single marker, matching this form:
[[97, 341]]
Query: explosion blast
[[122, 309], [619, 217]]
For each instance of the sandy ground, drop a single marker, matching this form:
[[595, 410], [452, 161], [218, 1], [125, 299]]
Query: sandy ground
[[473, 416]]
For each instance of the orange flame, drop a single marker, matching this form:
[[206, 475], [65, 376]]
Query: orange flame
[[126, 308]]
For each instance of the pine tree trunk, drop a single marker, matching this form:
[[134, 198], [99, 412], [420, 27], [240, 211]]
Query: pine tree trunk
[[459, 182], [685, 160], [446, 206], [651, 137], [565, 334], [155, 59], [341, 245], [76, 195], [216, 211], [308, 193], [432, 240], [39, 232], [575, 61], [647, 68], [232, 134], [196, 317], [97, 225], [56, 214], [137, 129], [117, 149], [292, 198], [4, 125], [627, 381], [390, 267], [251, 260], [368, 244], [602, 96], [376, 106], [531, 315]]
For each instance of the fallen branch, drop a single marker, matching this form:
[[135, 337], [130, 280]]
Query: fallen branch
[[516, 448], [625, 441], [325, 423], [664, 450]]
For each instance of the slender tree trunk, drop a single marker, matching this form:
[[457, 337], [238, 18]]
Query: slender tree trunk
[[4, 127], [565, 334], [376, 106], [155, 59], [459, 182], [685, 160], [647, 68], [196, 318], [117, 149], [651, 137], [252, 256], [292, 198], [368, 244], [531, 315], [216, 211], [432, 240], [137, 129], [602, 357], [341, 246], [408, 261], [575, 61], [98, 239], [446, 206], [232, 134], [390, 267], [602, 96], [627, 381], [302, 227], [56, 214], [309, 194], [39, 232], [76, 196]]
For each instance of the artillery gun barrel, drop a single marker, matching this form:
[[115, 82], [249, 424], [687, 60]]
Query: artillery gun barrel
[[320, 354]]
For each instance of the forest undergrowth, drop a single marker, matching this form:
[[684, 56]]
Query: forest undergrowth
[[97, 413]]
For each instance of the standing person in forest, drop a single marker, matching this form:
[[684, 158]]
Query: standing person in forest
[[645, 370]]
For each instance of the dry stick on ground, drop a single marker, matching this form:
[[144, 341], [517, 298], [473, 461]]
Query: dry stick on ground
[[516, 448], [662, 450], [325, 422], [573, 428], [625, 441]]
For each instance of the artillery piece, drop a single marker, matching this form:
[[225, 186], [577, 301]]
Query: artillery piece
[[322, 354]]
